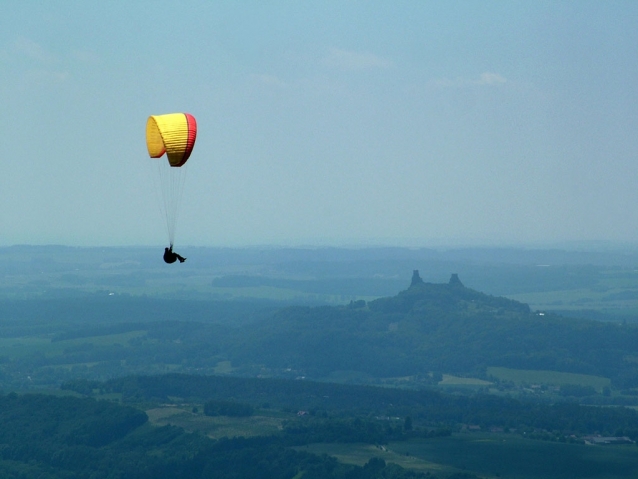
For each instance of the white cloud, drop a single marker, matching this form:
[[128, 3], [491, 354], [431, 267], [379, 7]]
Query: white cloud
[[489, 78], [349, 60]]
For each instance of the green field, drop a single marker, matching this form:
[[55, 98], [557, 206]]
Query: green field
[[359, 454], [615, 294], [523, 376], [223, 367], [512, 456], [215, 427], [42, 345], [449, 380], [493, 455]]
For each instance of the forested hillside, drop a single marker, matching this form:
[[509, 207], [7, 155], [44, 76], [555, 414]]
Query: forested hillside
[[437, 327]]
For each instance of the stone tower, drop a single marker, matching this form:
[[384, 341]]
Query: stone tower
[[416, 279]]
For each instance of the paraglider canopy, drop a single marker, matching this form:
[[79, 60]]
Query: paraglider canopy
[[173, 134]]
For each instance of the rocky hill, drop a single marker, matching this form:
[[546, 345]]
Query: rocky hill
[[436, 328]]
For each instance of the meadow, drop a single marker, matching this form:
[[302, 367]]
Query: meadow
[[528, 377], [43, 345], [359, 454], [218, 426], [507, 455], [495, 455], [450, 380]]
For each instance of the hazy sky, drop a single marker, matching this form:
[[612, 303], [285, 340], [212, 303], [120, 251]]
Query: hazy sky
[[322, 122]]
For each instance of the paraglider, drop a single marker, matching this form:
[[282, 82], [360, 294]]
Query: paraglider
[[173, 134], [170, 256]]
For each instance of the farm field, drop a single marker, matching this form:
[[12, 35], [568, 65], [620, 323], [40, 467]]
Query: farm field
[[525, 376], [43, 345], [614, 294], [449, 380], [214, 427], [359, 454], [494, 455]]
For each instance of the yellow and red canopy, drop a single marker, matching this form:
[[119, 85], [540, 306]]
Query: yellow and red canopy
[[173, 134]]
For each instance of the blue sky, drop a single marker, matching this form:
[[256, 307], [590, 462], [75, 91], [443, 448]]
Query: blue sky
[[323, 123]]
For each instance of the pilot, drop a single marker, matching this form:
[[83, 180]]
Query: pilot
[[170, 256]]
